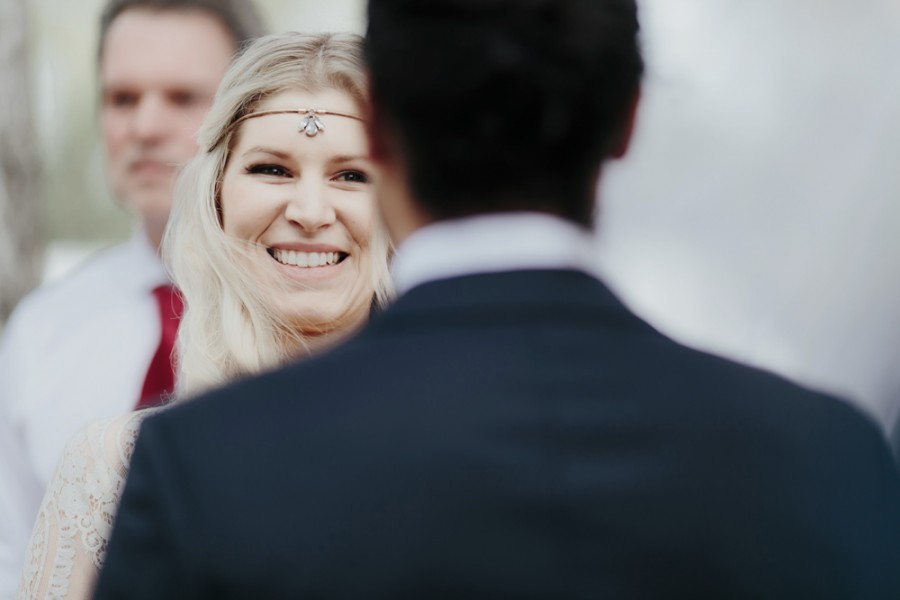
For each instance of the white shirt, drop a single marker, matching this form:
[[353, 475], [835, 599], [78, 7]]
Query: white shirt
[[72, 352], [490, 244]]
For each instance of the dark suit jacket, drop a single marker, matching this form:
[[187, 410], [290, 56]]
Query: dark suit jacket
[[895, 440], [510, 435]]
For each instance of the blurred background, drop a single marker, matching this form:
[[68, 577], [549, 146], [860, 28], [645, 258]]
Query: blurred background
[[757, 216]]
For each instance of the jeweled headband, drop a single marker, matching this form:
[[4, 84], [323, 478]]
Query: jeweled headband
[[310, 124]]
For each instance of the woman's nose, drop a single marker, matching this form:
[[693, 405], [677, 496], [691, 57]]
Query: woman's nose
[[309, 207]]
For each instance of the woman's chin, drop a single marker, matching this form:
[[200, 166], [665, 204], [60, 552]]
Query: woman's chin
[[324, 313]]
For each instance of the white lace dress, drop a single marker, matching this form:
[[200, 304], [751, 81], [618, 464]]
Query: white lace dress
[[68, 543]]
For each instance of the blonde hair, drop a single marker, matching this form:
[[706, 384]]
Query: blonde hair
[[230, 328]]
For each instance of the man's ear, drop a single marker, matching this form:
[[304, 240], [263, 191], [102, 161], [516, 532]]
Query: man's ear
[[381, 144], [622, 138], [399, 211]]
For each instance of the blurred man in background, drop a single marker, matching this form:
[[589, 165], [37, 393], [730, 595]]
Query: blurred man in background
[[99, 342]]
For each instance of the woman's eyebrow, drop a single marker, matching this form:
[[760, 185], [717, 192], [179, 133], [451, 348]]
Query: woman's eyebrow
[[345, 158], [266, 150]]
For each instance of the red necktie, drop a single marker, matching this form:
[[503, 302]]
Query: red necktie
[[161, 373]]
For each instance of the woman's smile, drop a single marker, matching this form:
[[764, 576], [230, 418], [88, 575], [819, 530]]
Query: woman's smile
[[309, 263]]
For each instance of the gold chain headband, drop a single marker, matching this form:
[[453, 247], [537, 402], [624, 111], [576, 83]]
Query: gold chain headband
[[310, 124]]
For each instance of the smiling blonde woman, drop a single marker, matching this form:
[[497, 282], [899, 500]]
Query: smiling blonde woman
[[258, 189], [275, 245]]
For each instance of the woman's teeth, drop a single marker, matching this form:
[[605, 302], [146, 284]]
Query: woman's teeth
[[306, 259]]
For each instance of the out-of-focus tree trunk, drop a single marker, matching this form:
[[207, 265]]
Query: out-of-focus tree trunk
[[20, 244]]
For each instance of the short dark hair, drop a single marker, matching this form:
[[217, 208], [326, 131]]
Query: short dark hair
[[240, 17], [500, 105]]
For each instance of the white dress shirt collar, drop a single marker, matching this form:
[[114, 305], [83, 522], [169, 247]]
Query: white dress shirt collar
[[490, 244]]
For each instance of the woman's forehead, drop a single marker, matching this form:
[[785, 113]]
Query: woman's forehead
[[283, 134], [328, 99]]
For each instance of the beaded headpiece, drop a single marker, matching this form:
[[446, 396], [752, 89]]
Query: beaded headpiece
[[311, 123]]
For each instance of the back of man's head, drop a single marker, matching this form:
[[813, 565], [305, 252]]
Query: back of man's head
[[240, 17], [497, 105]]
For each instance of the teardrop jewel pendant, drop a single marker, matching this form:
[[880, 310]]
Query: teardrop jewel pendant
[[311, 124]]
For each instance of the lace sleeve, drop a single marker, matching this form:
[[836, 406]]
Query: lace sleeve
[[68, 543]]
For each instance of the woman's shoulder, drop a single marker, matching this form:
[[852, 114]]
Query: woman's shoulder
[[105, 443], [92, 469], [72, 529]]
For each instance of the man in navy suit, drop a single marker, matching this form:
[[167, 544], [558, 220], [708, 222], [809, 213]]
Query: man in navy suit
[[507, 428]]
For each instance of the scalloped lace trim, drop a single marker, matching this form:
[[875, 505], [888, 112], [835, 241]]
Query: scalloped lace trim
[[68, 543]]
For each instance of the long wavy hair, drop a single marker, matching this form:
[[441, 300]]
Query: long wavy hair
[[230, 327]]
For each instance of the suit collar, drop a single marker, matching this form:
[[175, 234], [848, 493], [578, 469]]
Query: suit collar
[[549, 292], [491, 243]]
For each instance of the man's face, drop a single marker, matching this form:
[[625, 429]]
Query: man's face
[[158, 74]]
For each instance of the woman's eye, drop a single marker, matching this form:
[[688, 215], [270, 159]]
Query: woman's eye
[[353, 176], [267, 169]]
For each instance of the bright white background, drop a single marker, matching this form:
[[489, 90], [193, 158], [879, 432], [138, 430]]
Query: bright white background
[[758, 214]]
